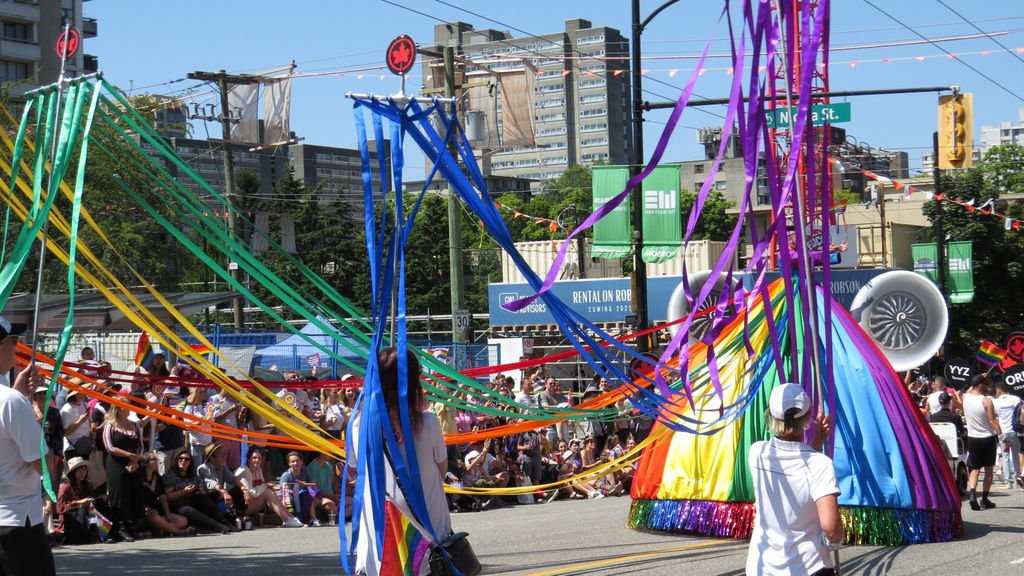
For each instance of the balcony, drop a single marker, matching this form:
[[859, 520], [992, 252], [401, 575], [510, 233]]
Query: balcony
[[20, 50], [21, 10], [89, 28]]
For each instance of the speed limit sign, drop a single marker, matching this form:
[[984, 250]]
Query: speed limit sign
[[462, 324]]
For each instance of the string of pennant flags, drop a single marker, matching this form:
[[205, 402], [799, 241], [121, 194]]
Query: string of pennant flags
[[986, 209]]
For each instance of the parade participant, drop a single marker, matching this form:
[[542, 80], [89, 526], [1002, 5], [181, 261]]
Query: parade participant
[[1006, 406], [431, 457], [946, 415], [24, 549], [797, 510], [982, 438]]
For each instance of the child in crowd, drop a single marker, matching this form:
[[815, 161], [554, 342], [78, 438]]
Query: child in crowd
[[306, 500]]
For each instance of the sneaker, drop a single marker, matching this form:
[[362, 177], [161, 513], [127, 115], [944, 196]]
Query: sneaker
[[987, 504], [975, 505], [552, 497], [595, 495], [315, 523], [293, 522], [1020, 481]]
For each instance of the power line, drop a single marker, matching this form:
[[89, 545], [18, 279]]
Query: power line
[[975, 26], [948, 53]]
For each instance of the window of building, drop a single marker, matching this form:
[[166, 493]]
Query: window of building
[[594, 142], [594, 83], [698, 168], [17, 31], [593, 112], [591, 39], [721, 185], [548, 88], [14, 71], [593, 98], [595, 127]]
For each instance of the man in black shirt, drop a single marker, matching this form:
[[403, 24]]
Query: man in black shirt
[[946, 415]]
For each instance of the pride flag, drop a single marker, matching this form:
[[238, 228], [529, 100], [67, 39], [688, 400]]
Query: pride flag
[[200, 349], [102, 523], [144, 352], [990, 353], [405, 548]]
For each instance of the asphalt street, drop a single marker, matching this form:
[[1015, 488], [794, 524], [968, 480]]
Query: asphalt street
[[582, 537]]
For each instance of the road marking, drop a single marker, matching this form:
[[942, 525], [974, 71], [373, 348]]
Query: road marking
[[618, 559], [1018, 561]]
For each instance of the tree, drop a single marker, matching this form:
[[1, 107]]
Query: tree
[[714, 221], [998, 254]]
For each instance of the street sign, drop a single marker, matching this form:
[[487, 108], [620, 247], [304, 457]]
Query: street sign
[[527, 345], [68, 43], [820, 114], [401, 55]]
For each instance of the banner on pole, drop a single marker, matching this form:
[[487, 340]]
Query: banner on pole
[[663, 226], [959, 257], [611, 233], [926, 258]]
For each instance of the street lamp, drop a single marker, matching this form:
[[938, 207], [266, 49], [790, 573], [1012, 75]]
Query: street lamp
[[639, 284]]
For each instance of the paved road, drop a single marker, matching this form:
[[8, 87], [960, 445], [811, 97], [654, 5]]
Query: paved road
[[563, 538]]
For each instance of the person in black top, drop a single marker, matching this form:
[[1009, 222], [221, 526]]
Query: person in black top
[[946, 415]]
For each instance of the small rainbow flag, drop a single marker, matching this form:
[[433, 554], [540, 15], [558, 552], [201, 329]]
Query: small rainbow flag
[[990, 353], [102, 523], [200, 349], [144, 351], [404, 545]]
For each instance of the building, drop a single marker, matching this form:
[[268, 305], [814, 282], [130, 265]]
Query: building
[[582, 96], [28, 56], [928, 159], [1005, 133]]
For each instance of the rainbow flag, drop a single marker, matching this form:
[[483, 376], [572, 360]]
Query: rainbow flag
[[144, 351], [200, 349], [404, 546], [990, 353], [102, 523]]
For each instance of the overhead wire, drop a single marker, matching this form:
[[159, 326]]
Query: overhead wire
[[975, 26], [948, 53]]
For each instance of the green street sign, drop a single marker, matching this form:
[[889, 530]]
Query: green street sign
[[820, 114]]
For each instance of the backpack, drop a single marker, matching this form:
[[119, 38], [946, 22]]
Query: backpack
[[1018, 427]]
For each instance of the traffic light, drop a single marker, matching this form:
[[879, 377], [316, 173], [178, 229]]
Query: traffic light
[[956, 131]]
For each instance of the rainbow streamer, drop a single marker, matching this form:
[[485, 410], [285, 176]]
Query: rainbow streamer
[[990, 353], [404, 546], [896, 485]]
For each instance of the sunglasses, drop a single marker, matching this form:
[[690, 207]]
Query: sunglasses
[[184, 459]]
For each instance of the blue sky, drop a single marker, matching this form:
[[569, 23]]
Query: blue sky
[[151, 46]]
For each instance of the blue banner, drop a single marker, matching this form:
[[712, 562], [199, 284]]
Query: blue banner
[[609, 299]]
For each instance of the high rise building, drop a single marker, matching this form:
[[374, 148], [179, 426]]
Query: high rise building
[[582, 96], [28, 55], [1006, 133]]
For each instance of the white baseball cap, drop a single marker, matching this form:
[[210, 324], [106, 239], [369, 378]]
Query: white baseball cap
[[786, 397]]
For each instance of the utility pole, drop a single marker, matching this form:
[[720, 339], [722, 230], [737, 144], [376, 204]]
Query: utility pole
[[454, 211], [224, 80]]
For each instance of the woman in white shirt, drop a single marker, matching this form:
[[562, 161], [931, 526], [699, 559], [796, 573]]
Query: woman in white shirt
[[797, 510]]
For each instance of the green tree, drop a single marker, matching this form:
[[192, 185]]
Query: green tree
[[998, 264], [714, 222]]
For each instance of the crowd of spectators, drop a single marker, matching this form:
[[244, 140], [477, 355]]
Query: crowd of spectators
[[117, 474], [551, 454]]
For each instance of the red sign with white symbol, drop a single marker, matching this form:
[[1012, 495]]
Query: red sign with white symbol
[[401, 55], [68, 43]]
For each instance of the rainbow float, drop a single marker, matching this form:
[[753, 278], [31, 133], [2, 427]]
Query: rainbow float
[[896, 486]]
